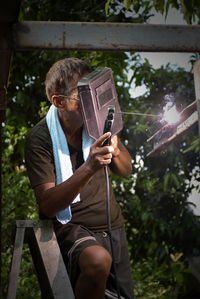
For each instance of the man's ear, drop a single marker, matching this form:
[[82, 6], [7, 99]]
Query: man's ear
[[58, 101]]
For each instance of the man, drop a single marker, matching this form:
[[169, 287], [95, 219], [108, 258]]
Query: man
[[83, 236]]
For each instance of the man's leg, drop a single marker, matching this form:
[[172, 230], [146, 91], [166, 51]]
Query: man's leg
[[122, 263], [95, 263]]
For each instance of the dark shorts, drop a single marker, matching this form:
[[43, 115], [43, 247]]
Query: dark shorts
[[73, 238]]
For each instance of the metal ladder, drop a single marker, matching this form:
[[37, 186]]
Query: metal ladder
[[50, 268]]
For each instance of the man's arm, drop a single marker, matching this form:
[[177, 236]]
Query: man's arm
[[121, 159], [54, 198]]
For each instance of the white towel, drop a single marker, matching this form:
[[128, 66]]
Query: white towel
[[62, 159]]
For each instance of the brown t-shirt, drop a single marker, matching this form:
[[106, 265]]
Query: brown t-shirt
[[91, 210]]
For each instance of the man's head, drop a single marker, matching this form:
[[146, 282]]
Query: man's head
[[63, 74]]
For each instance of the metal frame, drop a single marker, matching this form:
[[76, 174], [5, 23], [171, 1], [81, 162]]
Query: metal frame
[[47, 258], [106, 36]]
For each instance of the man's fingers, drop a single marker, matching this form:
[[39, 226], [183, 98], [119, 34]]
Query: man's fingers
[[100, 141]]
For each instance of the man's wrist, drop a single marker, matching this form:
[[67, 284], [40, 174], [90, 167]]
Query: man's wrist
[[116, 153]]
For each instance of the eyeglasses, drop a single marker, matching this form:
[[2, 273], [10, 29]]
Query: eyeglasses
[[75, 98]]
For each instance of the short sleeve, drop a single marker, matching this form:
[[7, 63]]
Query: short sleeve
[[39, 155]]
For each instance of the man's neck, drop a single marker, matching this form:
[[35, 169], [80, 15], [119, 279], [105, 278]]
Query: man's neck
[[75, 139], [72, 134]]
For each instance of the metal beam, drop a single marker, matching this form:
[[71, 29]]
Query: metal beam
[[107, 36]]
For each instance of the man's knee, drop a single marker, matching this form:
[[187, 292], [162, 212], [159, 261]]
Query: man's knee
[[95, 262]]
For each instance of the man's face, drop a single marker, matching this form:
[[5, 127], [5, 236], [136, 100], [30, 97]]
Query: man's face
[[69, 106], [71, 110], [72, 100]]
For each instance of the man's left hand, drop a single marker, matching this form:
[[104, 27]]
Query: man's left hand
[[114, 144]]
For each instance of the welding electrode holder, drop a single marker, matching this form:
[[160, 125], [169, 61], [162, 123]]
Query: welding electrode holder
[[108, 124], [108, 128]]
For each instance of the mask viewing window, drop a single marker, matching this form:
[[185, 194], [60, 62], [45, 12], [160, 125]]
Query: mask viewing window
[[97, 94]]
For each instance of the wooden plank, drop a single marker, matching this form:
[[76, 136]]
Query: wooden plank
[[16, 262]]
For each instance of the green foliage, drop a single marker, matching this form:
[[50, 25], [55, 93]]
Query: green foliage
[[18, 201], [162, 231], [189, 9], [195, 146], [162, 281]]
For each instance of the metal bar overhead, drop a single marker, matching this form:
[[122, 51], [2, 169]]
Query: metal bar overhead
[[92, 36]]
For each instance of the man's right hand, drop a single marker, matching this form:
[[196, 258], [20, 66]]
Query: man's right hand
[[99, 155]]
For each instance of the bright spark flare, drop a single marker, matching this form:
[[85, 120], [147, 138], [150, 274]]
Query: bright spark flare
[[171, 116]]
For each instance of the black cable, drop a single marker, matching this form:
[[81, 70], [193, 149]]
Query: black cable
[[109, 228]]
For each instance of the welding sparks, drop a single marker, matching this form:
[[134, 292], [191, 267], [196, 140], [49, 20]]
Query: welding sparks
[[170, 113], [171, 116]]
